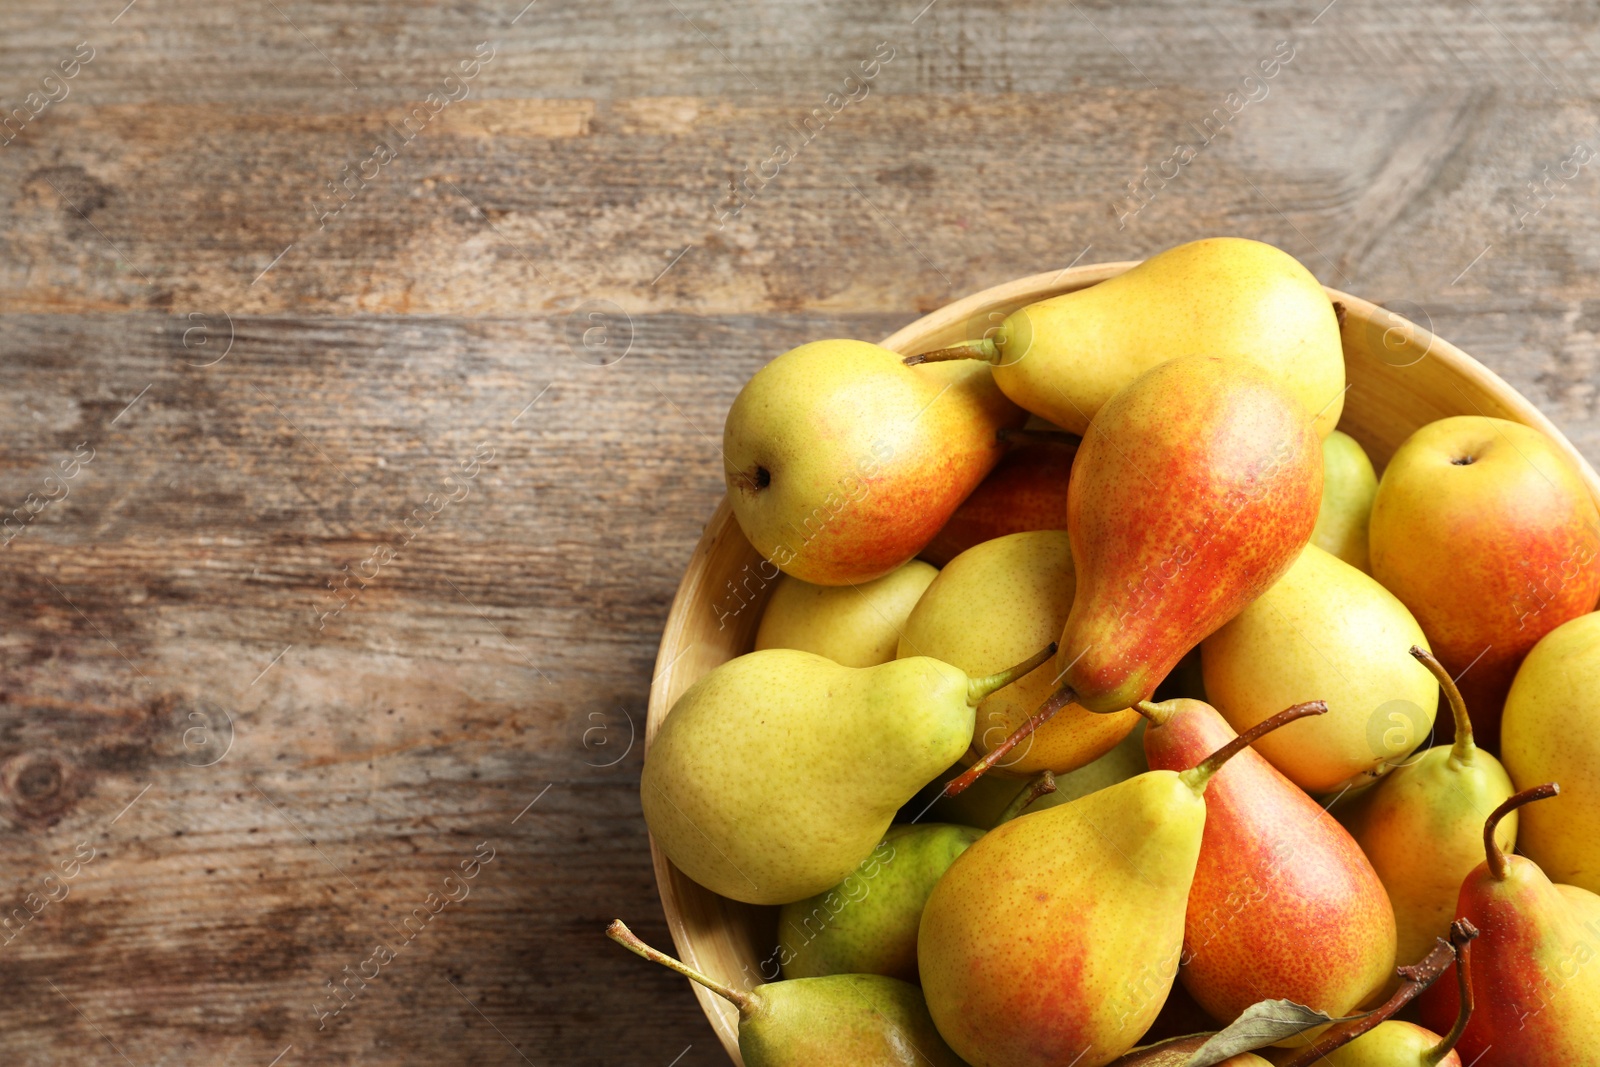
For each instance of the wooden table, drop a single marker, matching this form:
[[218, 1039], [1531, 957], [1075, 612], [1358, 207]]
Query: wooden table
[[357, 438]]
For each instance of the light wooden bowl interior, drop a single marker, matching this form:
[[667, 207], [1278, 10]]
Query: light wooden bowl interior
[[1400, 377]]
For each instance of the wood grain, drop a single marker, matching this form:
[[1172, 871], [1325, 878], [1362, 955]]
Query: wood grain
[[171, 198]]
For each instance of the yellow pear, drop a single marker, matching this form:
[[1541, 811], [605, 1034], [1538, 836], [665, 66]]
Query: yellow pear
[[1348, 485], [1064, 357], [1020, 586], [1325, 631], [853, 625], [1551, 733]]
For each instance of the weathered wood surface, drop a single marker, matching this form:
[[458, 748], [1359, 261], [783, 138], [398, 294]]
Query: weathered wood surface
[[180, 580]]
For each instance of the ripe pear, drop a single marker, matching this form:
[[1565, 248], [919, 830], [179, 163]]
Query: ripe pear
[[1348, 485], [774, 775], [1486, 531], [1325, 630], [1551, 732], [1055, 938], [1284, 906], [1378, 1039], [1535, 973], [844, 1020], [1064, 358], [842, 462], [1021, 585], [855, 626], [1422, 825], [1194, 490], [867, 924], [1393, 1043], [1027, 490]]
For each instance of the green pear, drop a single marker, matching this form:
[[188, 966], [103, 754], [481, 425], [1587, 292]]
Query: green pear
[[1056, 937], [1022, 586], [1330, 632], [844, 1020], [867, 924], [1422, 825], [855, 626], [842, 462], [774, 775], [1551, 732], [1064, 357], [1348, 485]]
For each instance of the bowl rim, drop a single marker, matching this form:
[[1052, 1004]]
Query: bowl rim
[[723, 1017]]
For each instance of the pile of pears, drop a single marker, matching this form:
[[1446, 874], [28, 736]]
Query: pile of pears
[[1096, 714]]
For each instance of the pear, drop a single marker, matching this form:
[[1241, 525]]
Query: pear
[[1055, 938], [844, 1020], [1027, 490], [1194, 490], [867, 924], [1487, 532], [1551, 732], [1064, 358], [1378, 1039], [842, 462], [1422, 825], [1022, 587], [1535, 976], [774, 775], [855, 626], [1284, 906], [1325, 630], [1394, 1043], [1348, 485]]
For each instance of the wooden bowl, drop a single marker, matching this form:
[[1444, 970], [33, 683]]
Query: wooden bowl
[[1400, 377]]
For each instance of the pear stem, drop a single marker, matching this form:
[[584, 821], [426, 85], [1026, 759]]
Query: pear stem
[[1462, 940], [1058, 700], [1043, 785], [1199, 775], [1416, 978], [745, 1002], [983, 348], [979, 688], [1156, 714], [1491, 847], [1463, 749]]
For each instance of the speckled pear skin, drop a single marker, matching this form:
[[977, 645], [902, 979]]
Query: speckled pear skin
[[1065, 357], [1535, 972], [1392, 1043], [1439, 800], [1487, 532], [777, 773], [1284, 905], [846, 1020], [1551, 733], [1058, 934], [867, 924], [842, 462], [1022, 587], [1195, 488], [1325, 631]]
